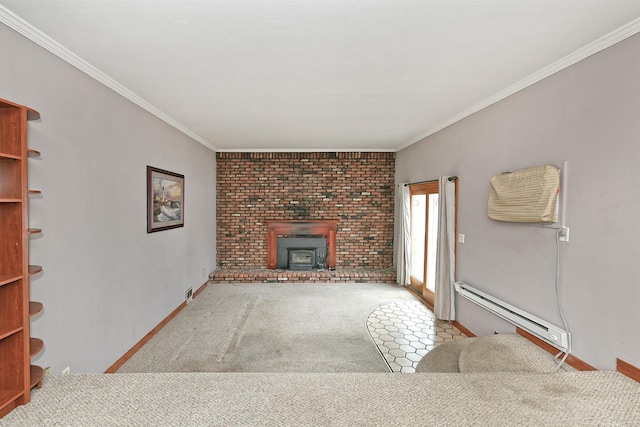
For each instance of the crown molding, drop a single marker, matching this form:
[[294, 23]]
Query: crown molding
[[598, 45], [19, 25]]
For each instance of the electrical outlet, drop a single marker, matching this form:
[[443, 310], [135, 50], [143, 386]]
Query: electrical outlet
[[188, 296], [563, 234], [203, 272], [47, 370], [66, 371]]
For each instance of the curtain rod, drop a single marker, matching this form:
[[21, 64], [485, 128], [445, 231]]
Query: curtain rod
[[451, 178]]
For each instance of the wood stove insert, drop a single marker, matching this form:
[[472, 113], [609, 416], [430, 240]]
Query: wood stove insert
[[308, 228]]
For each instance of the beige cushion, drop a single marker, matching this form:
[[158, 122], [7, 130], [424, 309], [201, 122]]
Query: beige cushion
[[444, 358], [505, 353]]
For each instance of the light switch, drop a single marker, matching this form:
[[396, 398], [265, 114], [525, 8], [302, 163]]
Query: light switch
[[460, 238]]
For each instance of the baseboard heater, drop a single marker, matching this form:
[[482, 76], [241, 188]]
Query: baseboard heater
[[544, 330]]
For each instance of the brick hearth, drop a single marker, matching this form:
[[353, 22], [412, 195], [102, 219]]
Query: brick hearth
[[342, 275]]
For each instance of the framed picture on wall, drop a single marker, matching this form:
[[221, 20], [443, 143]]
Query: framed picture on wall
[[165, 200]]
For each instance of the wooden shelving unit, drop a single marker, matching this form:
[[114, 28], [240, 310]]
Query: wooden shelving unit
[[17, 375]]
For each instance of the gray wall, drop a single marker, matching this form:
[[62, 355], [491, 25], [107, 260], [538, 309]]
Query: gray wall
[[106, 282], [589, 115]]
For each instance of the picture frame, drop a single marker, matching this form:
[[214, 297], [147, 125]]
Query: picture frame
[[165, 200]]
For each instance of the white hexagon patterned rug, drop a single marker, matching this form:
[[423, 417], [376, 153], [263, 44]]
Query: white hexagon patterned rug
[[404, 331]]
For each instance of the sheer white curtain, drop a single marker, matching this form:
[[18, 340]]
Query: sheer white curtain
[[402, 234], [444, 307]]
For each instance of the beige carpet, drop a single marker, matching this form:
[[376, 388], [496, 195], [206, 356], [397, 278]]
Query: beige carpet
[[356, 399], [271, 327], [316, 399]]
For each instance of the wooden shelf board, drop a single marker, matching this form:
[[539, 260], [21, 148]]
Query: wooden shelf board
[[34, 192], [8, 396], [11, 156], [34, 269], [9, 278], [36, 374], [6, 334], [33, 153], [8, 200], [35, 345], [32, 114], [35, 230], [35, 308]]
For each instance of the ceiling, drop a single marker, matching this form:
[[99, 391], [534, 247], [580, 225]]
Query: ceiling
[[319, 75]]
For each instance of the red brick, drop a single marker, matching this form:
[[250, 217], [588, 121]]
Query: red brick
[[354, 188]]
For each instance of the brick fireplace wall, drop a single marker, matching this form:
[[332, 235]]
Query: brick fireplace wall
[[354, 188]]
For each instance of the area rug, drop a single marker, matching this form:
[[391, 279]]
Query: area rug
[[405, 331]]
